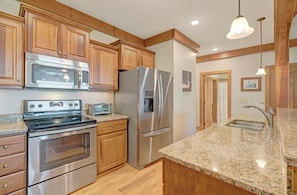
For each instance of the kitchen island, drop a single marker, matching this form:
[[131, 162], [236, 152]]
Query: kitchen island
[[226, 160]]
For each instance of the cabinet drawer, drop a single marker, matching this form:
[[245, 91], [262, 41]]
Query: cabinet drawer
[[12, 182], [12, 163], [12, 145], [19, 192], [111, 126]]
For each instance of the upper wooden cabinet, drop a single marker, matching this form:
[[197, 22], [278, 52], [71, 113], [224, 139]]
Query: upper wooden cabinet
[[103, 66], [50, 35], [11, 51], [132, 56]]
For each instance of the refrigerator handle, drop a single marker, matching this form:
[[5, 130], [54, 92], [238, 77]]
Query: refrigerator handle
[[159, 99], [156, 133]]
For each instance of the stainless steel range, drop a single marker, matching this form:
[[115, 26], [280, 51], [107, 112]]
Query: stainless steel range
[[61, 147]]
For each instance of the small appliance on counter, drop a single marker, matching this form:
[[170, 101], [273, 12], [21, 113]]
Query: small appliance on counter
[[99, 109]]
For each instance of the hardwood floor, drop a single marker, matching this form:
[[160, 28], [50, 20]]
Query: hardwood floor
[[127, 180]]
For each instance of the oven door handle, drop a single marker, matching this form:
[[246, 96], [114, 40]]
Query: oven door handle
[[69, 129]]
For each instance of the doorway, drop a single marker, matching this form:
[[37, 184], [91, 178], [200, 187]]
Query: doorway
[[212, 109]]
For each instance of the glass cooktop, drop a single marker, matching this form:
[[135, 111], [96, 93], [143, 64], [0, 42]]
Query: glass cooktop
[[58, 123]]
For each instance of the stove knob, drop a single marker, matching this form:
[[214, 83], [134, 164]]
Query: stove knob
[[70, 105], [76, 104], [32, 106], [39, 105]]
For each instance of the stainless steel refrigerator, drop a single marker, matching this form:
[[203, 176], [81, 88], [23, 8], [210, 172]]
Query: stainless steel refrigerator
[[145, 96]]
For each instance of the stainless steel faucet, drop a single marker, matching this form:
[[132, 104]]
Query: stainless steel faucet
[[268, 115]]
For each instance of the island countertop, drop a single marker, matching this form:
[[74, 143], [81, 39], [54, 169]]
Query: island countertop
[[243, 158]]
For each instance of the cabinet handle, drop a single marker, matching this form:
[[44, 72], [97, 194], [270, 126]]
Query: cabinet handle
[[5, 166], [5, 146], [4, 186]]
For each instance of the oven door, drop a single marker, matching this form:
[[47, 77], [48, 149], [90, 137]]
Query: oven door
[[58, 153]]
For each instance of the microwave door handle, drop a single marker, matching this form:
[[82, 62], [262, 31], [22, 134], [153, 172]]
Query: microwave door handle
[[79, 79]]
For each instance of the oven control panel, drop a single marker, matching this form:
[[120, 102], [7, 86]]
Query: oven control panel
[[51, 105]]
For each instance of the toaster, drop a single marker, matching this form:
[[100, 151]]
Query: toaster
[[98, 109]]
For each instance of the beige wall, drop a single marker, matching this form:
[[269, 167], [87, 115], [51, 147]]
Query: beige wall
[[174, 57]]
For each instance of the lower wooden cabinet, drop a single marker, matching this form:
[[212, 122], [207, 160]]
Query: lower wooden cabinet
[[178, 179], [13, 165], [111, 145]]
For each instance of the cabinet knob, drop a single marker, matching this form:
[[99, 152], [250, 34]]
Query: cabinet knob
[[65, 54], [5, 146], [4, 186], [5, 165], [60, 53]]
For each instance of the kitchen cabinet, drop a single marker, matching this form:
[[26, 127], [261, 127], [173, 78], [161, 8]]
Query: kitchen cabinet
[[178, 179], [111, 145], [132, 56], [11, 51], [50, 35], [103, 66], [13, 164]]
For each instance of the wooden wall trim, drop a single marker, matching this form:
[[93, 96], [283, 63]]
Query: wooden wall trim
[[175, 35], [69, 13], [241, 52], [183, 39], [11, 17]]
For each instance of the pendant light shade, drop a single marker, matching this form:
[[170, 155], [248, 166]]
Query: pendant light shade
[[240, 27], [261, 70]]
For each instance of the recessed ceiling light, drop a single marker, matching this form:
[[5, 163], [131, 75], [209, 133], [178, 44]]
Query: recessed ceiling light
[[195, 22], [215, 49]]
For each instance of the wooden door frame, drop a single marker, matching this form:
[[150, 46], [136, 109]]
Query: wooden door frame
[[202, 78]]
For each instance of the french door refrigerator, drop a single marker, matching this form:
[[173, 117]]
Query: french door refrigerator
[[145, 96]]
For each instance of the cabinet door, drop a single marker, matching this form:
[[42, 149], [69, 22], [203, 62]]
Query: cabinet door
[[129, 58], [112, 150], [11, 53], [103, 68], [43, 35], [147, 59], [75, 43]]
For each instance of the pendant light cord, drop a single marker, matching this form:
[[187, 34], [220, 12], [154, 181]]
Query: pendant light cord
[[261, 43], [260, 20], [238, 7]]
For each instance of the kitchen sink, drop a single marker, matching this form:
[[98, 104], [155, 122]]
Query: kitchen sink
[[245, 124]]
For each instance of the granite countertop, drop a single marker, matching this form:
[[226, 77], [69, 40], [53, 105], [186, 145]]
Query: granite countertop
[[12, 124], [243, 158], [108, 117], [287, 123]]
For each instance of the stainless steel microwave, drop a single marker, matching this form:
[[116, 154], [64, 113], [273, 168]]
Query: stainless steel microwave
[[98, 109], [43, 71]]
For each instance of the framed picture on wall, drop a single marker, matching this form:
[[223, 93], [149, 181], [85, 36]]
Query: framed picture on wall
[[251, 84], [187, 81]]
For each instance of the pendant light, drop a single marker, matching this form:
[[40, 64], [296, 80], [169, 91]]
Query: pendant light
[[261, 70], [240, 27]]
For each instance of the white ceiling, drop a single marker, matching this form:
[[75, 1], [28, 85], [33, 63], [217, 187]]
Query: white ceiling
[[145, 18]]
